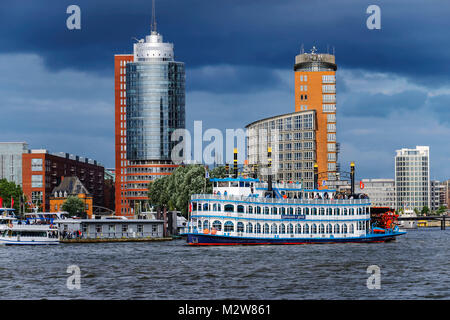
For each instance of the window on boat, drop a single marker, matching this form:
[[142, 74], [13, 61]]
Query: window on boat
[[199, 208], [314, 211], [194, 206], [199, 224], [321, 228], [258, 228], [352, 228], [273, 229], [306, 211], [266, 228], [219, 207], [234, 184], [124, 228], [314, 229], [306, 229], [206, 224], [322, 211], [290, 228], [298, 211], [291, 211], [338, 211], [282, 229], [240, 208], [336, 228], [329, 228], [274, 210], [249, 228], [205, 206], [298, 228], [98, 228], [282, 210], [247, 184], [228, 226], [250, 209], [223, 184], [344, 228], [266, 210], [240, 227], [345, 211], [258, 210], [217, 225], [229, 208], [329, 211]]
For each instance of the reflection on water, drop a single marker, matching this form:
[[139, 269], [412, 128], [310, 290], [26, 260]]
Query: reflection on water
[[416, 266]]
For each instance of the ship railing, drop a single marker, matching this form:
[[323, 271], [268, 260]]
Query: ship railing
[[279, 201]]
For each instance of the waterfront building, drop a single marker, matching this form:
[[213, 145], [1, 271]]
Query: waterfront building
[[11, 161], [412, 178], [380, 191], [71, 186], [292, 138], [315, 89], [150, 105], [42, 171], [438, 195]]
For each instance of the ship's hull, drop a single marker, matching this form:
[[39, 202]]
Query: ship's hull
[[33, 242], [207, 239]]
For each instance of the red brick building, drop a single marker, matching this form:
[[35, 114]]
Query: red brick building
[[43, 171]]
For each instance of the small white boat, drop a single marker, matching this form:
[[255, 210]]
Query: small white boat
[[17, 232]]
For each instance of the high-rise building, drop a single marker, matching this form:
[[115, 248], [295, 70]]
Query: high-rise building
[[412, 178], [150, 105], [315, 89], [11, 161], [292, 139]]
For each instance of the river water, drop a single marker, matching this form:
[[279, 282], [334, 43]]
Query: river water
[[415, 266]]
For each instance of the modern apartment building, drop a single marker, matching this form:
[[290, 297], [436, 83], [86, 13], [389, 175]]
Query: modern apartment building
[[150, 105], [438, 195], [292, 138], [11, 161], [315, 89], [380, 191], [412, 178], [43, 171]]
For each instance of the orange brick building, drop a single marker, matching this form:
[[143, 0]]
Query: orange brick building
[[120, 85], [315, 89], [71, 186]]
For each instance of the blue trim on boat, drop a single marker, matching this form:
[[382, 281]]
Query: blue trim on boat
[[208, 239], [284, 220], [286, 204]]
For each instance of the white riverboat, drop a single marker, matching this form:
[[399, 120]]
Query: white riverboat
[[17, 232], [245, 211]]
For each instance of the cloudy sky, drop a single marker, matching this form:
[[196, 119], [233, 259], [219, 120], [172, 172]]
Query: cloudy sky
[[393, 84]]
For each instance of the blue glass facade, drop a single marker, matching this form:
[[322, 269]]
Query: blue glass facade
[[155, 107]]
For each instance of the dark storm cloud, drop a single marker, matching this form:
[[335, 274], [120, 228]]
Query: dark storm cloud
[[258, 33], [381, 105]]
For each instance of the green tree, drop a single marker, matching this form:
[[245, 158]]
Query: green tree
[[425, 210], [73, 205], [10, 190], [175, 191], [441, 210]]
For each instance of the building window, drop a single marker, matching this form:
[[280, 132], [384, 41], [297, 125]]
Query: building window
[[36, 181], [36, 165]]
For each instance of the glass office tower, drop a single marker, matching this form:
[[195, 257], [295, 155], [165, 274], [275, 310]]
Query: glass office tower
[[155, 99]]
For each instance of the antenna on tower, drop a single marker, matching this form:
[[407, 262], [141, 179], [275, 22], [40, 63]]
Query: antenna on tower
[[302, 50], [153, 27]]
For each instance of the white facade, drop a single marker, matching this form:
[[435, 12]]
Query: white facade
[[412, 178], [380, 191], [11, 161]]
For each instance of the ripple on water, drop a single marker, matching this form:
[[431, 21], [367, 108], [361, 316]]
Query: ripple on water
[[416, 266]]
